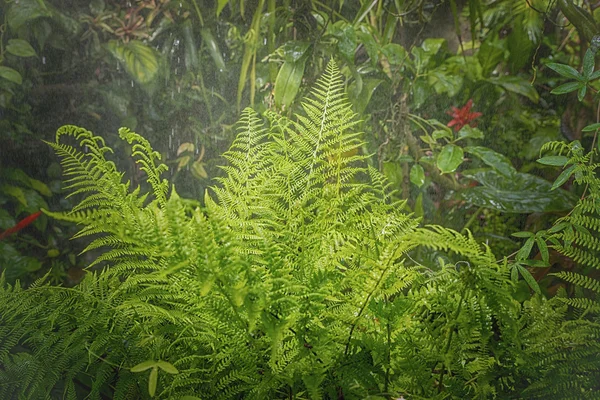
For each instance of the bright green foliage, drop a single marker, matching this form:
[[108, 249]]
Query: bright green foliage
[[296, 280], [577, 234]]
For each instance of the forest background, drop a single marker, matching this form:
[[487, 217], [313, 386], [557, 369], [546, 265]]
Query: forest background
[[457, 100]]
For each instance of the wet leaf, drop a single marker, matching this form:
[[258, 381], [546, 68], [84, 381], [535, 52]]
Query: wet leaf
[[563, 177], [450, 158], [557, 161], [362, 100], [288, 82], [468, 131], [524, 251], [293, 51], [588, 64], [395, 53], [567, 87], [517, 85], [20, 48], [529, 279], [24, 11], [189, 41], [417, 175], [441, 133], [581, 93], [10, 75], [497, 161], [543, 247], [565, 70], [522, 193], [213, 49], [139, 60]]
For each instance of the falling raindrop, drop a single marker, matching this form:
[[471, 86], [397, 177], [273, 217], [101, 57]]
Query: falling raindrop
[[131, 83], [44, 60]]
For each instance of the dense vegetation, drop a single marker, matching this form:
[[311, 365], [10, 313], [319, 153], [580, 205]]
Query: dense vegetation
[[410, 208]]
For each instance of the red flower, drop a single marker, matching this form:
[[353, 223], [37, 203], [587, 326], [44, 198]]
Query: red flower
[[463, 116], [22, 224]]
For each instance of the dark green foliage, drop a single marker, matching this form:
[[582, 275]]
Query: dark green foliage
[[295, 280]]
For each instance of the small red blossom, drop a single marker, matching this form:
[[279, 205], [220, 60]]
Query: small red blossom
[[22, 224], [463, 116]]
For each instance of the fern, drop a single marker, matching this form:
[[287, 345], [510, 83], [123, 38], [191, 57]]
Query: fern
[[296, 279]]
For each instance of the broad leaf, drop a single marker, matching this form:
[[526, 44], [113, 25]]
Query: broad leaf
[[20, 48], [517, 85], [493, 159], [450, 158], [417, 175], [522, 193], [140, 60], [10, 75], [288, 82], [23, 11]]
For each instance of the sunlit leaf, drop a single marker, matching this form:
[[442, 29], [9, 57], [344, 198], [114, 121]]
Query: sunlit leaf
[[139, 60], [450, 158]]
